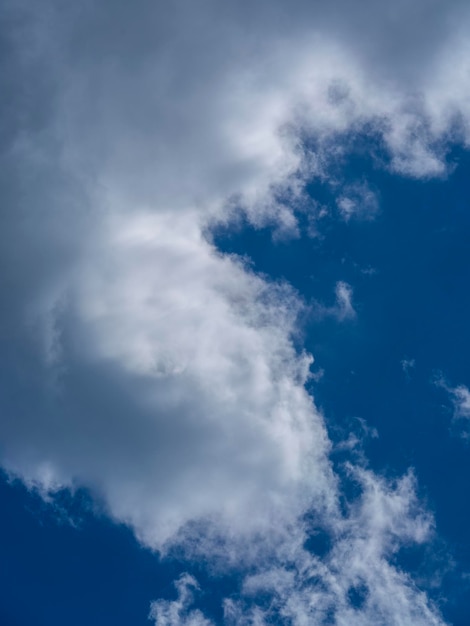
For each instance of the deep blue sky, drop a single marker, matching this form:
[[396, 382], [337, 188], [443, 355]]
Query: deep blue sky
[[415, 304]]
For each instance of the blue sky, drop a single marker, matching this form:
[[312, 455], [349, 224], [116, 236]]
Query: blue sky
[[234, 329]]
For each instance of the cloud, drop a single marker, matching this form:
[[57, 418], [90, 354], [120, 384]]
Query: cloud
[[358, 201], [343, 308], [177, 392], [139, 361], [178, 613], [229, 112], [408, 365], [352, 583], [460, 396], [460, 399]]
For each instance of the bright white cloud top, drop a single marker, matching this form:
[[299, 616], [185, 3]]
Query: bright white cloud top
[[158, 372]]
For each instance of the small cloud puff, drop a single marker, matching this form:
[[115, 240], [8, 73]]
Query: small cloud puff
[[461, 400], [407, 365], [343, 308], [358, 201], [459, 395]]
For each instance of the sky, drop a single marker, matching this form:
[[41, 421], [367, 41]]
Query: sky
[[234, 263]]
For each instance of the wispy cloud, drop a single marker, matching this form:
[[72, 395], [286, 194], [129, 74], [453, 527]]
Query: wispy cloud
[[358, 201], [460, 397], [179, 612], [343, 308], [352, 583], [407, 365]]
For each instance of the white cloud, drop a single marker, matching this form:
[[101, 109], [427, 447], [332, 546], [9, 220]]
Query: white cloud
[[297, 587], [177, 393], [460, 396], [343, 308], [358, 201], [138, 360], [227, 112], [178, 612]]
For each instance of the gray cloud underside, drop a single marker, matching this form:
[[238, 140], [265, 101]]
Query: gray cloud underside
[[137, 360]]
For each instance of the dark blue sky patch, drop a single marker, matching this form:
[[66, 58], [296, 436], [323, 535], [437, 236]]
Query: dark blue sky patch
[[318, 542], [51, 571], [357, 595]]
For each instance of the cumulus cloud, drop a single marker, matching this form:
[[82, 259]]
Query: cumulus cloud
[[139, 361], [175, 386]]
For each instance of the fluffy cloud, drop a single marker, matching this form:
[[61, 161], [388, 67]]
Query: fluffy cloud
[[138, 360], [353, 583], [175, 388]]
